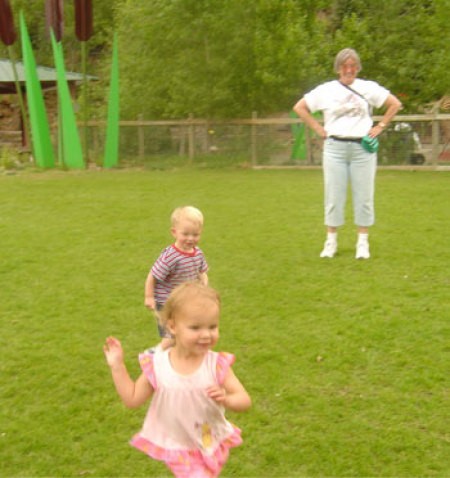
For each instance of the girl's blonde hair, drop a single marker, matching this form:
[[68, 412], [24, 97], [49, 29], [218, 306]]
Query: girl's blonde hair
[[186, 212], [185, 292]]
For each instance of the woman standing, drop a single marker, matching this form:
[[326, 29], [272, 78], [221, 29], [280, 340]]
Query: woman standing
[[347, 107]]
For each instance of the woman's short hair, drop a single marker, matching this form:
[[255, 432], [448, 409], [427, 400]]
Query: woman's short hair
[[343, 56], [184, 293], [190, 213]]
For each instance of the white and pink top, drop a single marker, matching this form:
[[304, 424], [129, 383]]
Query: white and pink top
[[183, 424]]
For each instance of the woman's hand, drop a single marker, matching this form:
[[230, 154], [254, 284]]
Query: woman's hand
[[321, 131], [303, 112], [375, 131], [392, 105]]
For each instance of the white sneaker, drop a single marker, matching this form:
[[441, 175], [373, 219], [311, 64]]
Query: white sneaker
[[329, 249], [362, 250]]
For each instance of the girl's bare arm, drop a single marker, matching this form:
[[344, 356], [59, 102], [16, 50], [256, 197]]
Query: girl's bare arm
[[133, 393], [232, 394]]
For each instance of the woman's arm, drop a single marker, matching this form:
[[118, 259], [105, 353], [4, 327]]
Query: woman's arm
[[392, 105], [303, 112], [133, 394], [232, 394]]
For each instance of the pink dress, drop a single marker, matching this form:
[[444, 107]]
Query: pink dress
[[184, 427]]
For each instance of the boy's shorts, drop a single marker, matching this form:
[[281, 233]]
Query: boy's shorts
[[163, 332]]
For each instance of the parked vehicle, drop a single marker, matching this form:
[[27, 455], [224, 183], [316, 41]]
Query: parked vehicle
[[400, 144]]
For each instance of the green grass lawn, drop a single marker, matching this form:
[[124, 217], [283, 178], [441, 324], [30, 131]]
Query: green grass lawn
[[347, 361]]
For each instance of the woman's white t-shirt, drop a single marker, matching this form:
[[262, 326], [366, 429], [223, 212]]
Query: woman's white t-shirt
[[346, 113]]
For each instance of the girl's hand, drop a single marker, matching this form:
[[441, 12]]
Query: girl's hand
[[113, 351], [217, 393], [234, 396], [133, 394]]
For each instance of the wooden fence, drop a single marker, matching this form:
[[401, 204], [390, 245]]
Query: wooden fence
[[271, 141], [415, 139]]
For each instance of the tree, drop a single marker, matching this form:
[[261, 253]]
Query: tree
[[216, 59], [401, 45], [288, 60], [221, 59], [182, 56]]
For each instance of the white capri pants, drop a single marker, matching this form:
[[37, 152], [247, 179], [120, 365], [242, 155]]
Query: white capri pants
[[344, 162]]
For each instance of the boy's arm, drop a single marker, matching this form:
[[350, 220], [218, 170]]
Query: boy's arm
[[203, 278], [232, 394], [133, 394], [149, 292]]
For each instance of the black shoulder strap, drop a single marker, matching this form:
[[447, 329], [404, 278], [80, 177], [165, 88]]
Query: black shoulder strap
[[359, 94]]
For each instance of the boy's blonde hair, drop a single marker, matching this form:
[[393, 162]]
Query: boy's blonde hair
[[185, 292], [190, 213]]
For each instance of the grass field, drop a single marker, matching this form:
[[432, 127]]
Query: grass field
[[347, 361]]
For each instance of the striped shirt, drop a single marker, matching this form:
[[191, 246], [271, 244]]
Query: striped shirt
[[173, 267]]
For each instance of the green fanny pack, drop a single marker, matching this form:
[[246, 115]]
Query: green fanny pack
[[370, 144]]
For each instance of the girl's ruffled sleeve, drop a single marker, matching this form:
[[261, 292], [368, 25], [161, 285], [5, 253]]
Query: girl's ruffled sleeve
[[146, 363], [224, 362]]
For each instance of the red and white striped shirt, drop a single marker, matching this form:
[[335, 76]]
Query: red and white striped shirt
[[173, 267]]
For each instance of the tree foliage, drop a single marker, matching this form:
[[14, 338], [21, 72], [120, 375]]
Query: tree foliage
[[403, 45], [215, 58]]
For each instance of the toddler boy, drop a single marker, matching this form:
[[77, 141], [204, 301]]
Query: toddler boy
[[180, 262]]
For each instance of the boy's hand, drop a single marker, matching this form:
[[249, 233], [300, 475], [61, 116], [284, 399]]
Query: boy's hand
[[150, 303], [113, 351]]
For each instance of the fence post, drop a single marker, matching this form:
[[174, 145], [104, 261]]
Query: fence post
[[96, 139], [191, 139], [205, 138], [254, 140], [434, 141], [141, 139], [309, 155]]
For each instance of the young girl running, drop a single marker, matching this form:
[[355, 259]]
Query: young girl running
[[190, 385]]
